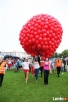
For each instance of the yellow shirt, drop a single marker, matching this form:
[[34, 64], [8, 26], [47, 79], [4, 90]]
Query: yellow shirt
[[2, 68]]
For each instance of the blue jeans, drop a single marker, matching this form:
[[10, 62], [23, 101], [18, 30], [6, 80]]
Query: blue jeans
[[36, 73]]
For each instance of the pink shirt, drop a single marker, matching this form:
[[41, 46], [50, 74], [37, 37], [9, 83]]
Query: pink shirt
[[46, 65]]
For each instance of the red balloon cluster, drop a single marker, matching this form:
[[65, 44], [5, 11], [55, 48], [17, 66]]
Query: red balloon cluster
[[41, 35]]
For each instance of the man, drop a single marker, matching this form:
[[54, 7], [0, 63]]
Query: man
[[2, 69], [58, 66], [41, 66]]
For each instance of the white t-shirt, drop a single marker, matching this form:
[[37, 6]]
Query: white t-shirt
[[9, 61], [36, 65], [26, 65]]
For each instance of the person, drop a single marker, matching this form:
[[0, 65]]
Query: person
[[9, 63], [18, 65], [36, 68], [58, 66], [46, 71], [41, 66], [26, 69], [32, 70], [64, 62], [15, 66], [67, 65], [38, 59], [52, 66], [62, 67], [2, 69]]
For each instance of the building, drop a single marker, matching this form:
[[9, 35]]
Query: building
[[16, 53]]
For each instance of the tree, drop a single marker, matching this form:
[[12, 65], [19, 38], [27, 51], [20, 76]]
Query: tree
[[60, 55], [65, 53], [55, 55]]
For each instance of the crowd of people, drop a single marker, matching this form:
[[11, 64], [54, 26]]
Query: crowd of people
[[36, 65]]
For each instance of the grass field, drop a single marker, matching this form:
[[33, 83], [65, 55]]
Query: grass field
[[14, 88]]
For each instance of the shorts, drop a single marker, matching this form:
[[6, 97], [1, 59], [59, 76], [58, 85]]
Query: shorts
[[26, 70]]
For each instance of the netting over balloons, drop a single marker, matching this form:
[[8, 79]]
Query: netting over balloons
[[41, 35]]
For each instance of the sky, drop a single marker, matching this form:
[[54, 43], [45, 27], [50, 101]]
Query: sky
[[15, 13]]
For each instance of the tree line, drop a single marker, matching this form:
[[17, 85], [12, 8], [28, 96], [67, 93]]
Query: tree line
[[63, 54]]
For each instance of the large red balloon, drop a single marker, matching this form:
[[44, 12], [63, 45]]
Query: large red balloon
[[41, 35]]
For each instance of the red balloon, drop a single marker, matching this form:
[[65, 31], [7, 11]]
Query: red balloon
[[39, 46], [43, 58], [43, 47], [33, 47], [40, 39], [29, 41], [41, 35], [33, 40], [36, 37], [37, 42]]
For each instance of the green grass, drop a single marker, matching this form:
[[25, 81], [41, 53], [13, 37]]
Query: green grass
[[14, 88]]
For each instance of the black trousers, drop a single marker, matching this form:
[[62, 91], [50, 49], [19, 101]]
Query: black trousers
[[64, 68], [1, 79], [58, 70], [41, 70], [46, 74]]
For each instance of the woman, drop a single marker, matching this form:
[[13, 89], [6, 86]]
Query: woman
[[36, 68], [58, 66], [32, 70], [9, 63], [41, 66], [46, 71], [26, 69], [2, 69]]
